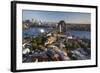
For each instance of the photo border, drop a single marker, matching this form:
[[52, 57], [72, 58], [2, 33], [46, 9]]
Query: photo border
[[13, 34]]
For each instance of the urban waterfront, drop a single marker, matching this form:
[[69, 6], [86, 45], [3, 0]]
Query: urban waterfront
[[59, 40]]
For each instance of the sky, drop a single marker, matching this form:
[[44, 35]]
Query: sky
[[55, 16]]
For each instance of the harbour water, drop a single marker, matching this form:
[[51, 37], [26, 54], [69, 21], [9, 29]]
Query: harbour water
[[34, 31]]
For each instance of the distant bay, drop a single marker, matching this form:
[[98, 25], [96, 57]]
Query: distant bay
[[34, 31]]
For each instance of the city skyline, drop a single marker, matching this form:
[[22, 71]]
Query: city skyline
[[55, 16]]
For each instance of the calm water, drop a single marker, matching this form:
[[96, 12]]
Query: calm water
[[34, 31], [81, 34], [37, 30]]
